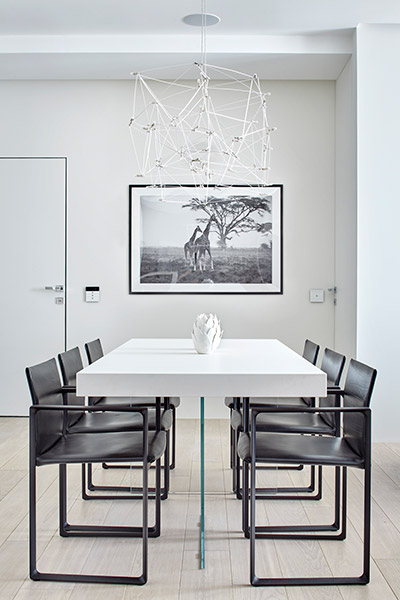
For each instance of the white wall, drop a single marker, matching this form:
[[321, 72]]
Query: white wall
[[88, 123], [346, 211], [378, 322]]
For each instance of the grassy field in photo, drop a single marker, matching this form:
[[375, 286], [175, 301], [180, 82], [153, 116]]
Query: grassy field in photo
[[231, 265]]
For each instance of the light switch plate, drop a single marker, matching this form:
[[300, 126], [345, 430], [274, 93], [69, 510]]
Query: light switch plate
[[92, 294], [317, 295]]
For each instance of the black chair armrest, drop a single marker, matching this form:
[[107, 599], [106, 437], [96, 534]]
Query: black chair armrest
[[334, 392], [90, 408], [307, 409], [364, 410], [68, 389]]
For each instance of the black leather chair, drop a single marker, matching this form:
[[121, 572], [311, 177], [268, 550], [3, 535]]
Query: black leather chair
[[70, 364], [310, 353], [94, 351], [314, 424], [351, 449], [307, 424], [51, 443]]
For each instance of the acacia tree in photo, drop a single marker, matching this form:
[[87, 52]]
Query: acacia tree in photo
[[232, 215]]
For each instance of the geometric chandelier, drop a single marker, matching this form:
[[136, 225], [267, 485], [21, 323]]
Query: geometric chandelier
[[207, 127]]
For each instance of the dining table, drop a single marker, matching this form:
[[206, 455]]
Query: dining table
[[166, 367]]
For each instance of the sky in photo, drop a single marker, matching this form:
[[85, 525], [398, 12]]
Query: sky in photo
[[166, 223]]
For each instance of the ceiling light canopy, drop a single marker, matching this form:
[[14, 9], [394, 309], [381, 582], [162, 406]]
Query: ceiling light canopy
[[201, 20]]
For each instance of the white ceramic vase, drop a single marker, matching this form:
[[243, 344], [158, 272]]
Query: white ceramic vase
[[206, 333]]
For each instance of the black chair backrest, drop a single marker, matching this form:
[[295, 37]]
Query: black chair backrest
[[333, 365], [94, 351], [45, 385], [310, 351], [70, 364], [360, 381]]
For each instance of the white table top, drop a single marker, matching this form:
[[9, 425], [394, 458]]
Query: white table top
[[171, 367]]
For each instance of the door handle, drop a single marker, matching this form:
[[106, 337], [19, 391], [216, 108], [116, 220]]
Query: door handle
[[54, 288]]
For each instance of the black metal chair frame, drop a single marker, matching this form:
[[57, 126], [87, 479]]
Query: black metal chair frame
[[67, 529], [279, 493], [153, 493], [275, 531], [131, 492], [171, 451], [275, 493], [285, 493], [87, 471], [340, 484]]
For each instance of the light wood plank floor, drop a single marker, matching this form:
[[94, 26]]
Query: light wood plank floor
[[173, 558]]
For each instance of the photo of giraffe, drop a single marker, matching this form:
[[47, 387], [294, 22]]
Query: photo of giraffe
[[206, 240]]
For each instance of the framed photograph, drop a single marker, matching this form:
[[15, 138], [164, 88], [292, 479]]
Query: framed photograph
[[215, 240]]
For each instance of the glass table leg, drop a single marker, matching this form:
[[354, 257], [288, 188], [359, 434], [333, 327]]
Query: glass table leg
[[202, 549]]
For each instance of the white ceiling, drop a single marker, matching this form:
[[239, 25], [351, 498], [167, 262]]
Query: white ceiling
[[106, 39], [126, 17]]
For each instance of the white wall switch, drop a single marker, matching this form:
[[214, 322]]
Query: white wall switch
[[317, 295], [92, 293]]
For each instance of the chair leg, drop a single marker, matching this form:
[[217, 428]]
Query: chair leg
[[78, 577], [282, 493], [135, 492], [164, 495], [237, 470], [231, 431], [367, 523], [33, 572], [173, 444], [292, 493], [245, 499], [235, 466], [71, 530], [314, 532], [295, 581]]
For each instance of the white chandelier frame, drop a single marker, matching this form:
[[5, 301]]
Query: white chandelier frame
[[186, 132]]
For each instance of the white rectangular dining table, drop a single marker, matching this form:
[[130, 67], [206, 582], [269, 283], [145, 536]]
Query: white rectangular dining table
[[172, 367]]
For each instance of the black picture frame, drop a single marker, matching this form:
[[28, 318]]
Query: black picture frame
[[150, 219]]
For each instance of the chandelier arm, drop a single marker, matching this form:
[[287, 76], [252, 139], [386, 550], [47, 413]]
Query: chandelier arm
[[228, 148], [217, 114], [155, 98], [148, 145], [134, 98], [242, 84], [234, 104], [189, 102], [246, 75], [247, 107], [245, 134], [173, 83], [231, 89], [167, 135]]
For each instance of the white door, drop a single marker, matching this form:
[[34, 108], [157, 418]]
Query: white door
[[32, 250]]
